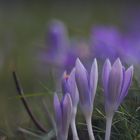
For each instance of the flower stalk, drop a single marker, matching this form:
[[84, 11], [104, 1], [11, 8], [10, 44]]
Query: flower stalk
[[108, 127], [89, 126], [73, 125]]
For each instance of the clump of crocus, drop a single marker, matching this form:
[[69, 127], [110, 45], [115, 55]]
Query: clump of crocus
[[63, 110], [87, 85], [69, 86], [116, 82]]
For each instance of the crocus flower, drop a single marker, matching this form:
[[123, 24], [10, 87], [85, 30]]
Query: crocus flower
[[69, 86], [57, 43], [105, 42], [63, 111], [116, 82], [87, 88], [110, 42]]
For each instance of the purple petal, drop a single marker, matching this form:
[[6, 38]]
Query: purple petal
[[73, 88], [115, 81], [66, 112], [105, 75], [58, 112], [82, 83], [127, 82], [93, 79]]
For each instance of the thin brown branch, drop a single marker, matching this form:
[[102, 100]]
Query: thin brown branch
[[24, 101]]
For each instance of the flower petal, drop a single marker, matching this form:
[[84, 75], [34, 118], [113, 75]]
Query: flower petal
[[58, 112], [127, 82], [93, 79], [115, 81], [105, 75], [82, 83], [73, 88], [66, 112]]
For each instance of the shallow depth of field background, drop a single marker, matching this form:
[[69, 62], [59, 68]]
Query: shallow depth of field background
[[22, 34]]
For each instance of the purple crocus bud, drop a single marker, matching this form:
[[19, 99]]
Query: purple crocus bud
[[116, 82], [86, 85], [63, 111], [69, 86]]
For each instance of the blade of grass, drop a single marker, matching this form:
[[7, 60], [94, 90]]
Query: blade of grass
[[28, 132]]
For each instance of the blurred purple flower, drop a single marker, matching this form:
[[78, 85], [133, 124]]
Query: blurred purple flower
[[116, 82], [131, 50], [109, 42], [63, 111], [130, 19], [70, 59], [105, 42], [57, 43], [87, 88], [57, 37], [131, 22]]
